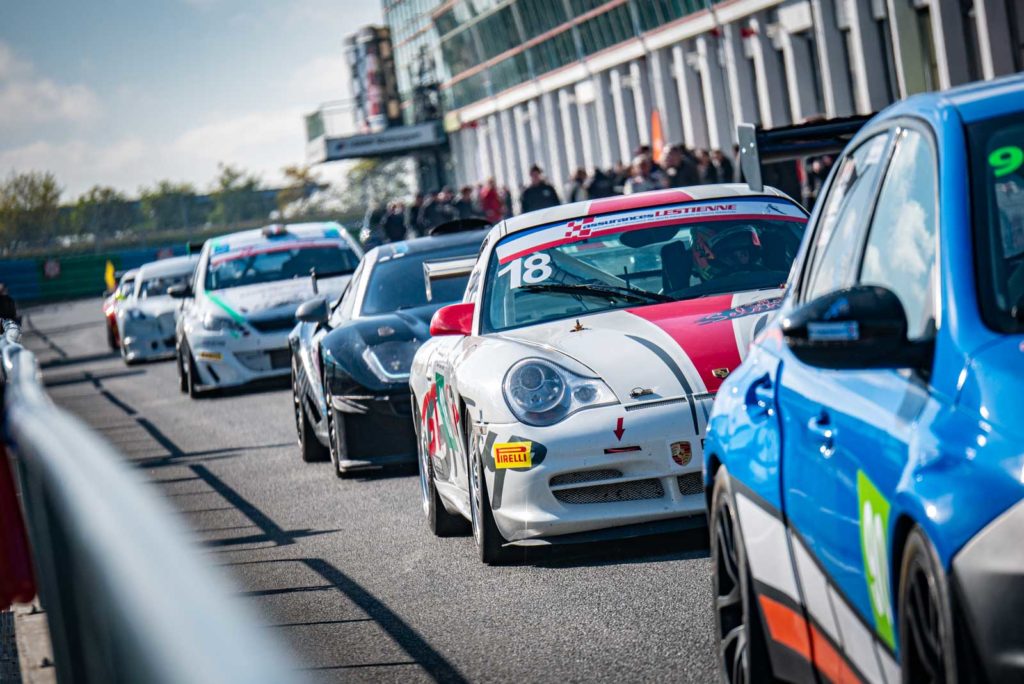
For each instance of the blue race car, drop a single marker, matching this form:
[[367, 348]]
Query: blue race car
[[864, 466]]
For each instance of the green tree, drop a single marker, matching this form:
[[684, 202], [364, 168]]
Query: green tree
[[300, 182], [172, 205], [103, 211], [374, 181], [29, 208], [236, 197]]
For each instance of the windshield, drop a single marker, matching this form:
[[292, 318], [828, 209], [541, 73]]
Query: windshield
[[157, 287], [997, 177], [398, 282], [267, 263], [643, 256]]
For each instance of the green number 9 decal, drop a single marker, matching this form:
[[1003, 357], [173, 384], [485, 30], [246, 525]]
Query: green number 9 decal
[[1006, 160]]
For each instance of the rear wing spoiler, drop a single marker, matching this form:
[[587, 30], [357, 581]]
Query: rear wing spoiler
[[759, 146], [442, 269]]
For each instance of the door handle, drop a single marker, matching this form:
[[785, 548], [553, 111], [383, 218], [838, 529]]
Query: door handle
[[760, 397], [821, 429]]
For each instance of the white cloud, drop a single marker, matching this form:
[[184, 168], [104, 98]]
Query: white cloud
[[30, 99]]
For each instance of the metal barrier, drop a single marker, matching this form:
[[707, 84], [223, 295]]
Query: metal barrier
[[127, 595]]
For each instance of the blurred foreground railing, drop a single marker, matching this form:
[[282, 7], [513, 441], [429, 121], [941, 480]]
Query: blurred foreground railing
[[128, 596]]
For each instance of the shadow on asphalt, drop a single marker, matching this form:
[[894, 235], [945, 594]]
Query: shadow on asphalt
[[687, 545], [408, 639], [258, 387]]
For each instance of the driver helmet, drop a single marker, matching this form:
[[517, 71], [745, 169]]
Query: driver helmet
[[721, 251]]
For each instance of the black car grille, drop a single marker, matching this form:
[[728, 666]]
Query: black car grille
[[586, 476], [690, 484], [280, 358], [636, 490], [273, 324]]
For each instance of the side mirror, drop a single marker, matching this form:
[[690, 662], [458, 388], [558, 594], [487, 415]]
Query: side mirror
[[312, 311], [454, 319], [857, 328], [182, 291]]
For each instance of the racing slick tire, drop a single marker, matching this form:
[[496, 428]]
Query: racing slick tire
[[182, 375], [441, 522], [112, 340], [338, 446], [742, 648], [191, 376], [925, 615], [310, 447], [489, 541]]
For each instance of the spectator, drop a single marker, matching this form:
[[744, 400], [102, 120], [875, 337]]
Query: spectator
[[464, 206], [600, 184], [538, 194], [679, 167], [393, 224], [620, 174], [438, 210], [815, 173], [412, 217], [506, 201], [575, 189], [706, 171], [724, 172], [644, 177], [491, 203]]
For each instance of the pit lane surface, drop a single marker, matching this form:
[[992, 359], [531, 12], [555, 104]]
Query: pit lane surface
[[346, 571]]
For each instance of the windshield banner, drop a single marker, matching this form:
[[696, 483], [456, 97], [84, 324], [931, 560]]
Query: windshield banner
[[585, 227]]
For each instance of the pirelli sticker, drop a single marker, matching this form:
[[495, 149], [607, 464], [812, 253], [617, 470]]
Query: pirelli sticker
[[513, 455]]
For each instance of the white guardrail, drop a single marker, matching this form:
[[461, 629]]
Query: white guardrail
[[128, 596]]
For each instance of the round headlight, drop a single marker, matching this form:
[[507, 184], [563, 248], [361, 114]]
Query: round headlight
[[536, 387]]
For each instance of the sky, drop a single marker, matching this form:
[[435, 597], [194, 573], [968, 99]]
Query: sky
[[126, 93]]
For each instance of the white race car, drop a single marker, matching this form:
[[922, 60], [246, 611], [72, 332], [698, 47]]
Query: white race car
[[146, 318], [567, 397], [240, 306]]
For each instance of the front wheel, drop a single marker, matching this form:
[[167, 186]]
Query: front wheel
[[742, 650], [441, 522], [489, 542], [310, 447], [336, 439], [182, 373], [927, 648]]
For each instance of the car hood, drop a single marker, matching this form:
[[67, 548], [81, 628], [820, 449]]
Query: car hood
[[277, 296], [659, 351], [989, 387]]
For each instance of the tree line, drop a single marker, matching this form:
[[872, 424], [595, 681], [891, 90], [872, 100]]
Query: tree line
[[32, 213]]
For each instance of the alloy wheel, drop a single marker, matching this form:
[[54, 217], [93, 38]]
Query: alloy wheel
[[729, 600], [923, 639]]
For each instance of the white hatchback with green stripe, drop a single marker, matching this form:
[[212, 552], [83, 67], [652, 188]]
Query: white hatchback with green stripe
[[240, 306]]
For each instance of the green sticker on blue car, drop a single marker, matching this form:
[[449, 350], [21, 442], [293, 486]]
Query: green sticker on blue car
[[873, 510]]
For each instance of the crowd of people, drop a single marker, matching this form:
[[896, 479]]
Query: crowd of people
[[676, 166]]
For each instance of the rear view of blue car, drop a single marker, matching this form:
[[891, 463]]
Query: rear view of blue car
[[865, 465]]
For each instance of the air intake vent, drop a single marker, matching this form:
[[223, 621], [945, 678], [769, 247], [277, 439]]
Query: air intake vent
[[690, 484], [636, 490], [585, 476]]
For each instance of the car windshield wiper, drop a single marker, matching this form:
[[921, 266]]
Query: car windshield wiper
[[600, 291]]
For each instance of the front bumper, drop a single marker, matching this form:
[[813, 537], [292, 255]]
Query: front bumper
[[147, 339], [989, 575], [378, 428], [226, 360], [583, 478]]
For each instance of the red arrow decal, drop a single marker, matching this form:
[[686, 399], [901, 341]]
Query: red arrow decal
[[619, 430]]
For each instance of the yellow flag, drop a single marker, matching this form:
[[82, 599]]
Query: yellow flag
[[108, 276]]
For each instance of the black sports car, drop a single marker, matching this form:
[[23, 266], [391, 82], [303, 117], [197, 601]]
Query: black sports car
[[351, 357]]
